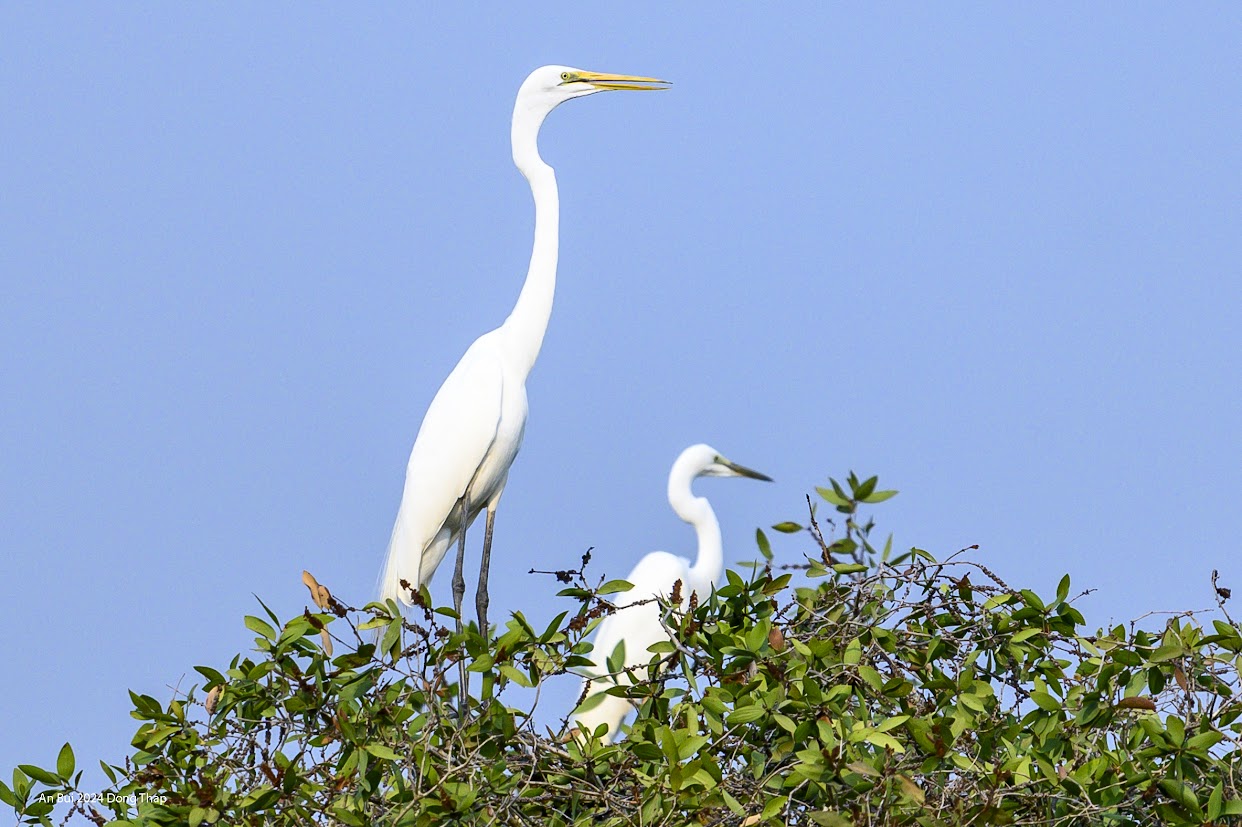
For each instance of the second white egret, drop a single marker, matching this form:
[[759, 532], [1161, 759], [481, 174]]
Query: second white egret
[[636, 621]]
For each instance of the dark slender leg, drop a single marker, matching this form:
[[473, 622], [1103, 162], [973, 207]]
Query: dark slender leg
[[480, 596], [459, 591]]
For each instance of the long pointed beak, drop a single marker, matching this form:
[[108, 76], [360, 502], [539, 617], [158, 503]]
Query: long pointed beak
[[743, 471], [635, 83]]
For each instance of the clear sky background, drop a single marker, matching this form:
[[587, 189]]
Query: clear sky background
[[989, 253]]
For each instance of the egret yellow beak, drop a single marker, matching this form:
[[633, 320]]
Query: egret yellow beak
[[603, 80]]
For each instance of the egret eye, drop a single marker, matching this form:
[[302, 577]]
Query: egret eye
[[565, 76]]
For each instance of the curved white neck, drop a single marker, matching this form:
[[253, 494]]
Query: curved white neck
[[697, 511], [526, 325]]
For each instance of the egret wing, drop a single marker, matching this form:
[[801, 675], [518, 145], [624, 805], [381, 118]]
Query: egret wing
[[637, 624], [457, 431]]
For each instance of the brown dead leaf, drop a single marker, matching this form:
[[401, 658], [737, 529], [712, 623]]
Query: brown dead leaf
[[863, 768], [320, 595], [911, 789], [212, 698], [312, 585], [1137, 703]]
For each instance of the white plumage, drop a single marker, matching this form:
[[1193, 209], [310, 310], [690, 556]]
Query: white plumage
[[636, 623], [473, 428]]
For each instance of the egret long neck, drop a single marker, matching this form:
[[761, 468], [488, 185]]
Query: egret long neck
[[528, 322], [697, 511]]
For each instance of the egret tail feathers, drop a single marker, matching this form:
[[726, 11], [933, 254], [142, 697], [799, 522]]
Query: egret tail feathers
[[405, 557]]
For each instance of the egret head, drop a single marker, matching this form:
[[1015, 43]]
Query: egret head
[[549, 86], [706, 461]]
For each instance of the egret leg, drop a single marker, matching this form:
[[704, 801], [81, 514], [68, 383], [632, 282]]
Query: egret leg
[[480, 596], [459, 591]]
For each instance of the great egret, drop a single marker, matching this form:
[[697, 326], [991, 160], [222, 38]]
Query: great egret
[[473, 428], [638, 626]]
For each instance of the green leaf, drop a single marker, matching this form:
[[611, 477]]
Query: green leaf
[[260, 627], [40, 808], [518, 676], [1031, 599], [40, 774], [552, 628], [973, 702], [884, 740], [872, 677], [732, 803], [879, 497], [1216, 802], [892, 723], [746, 715], [213, 677], [368, 625], [1205, 740], [773, 807], [614, 586], [65, 763], [1168, 652], [997, 600], [1183, 794], [761, 540], [863, 768], [1045, 701], [382, 751], [785, 722], [1176, 729], [888, 550], [270, 613], [260, 799], [1026, 634], [590, 702], [853, 652], [645, 750], [832, 497], [615, 661], [483, 663], [787, 527], [1151, 725], [668, 745], [392, 637], [1063, 588]]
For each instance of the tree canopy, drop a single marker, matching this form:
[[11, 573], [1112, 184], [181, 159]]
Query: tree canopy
[[856, 686]]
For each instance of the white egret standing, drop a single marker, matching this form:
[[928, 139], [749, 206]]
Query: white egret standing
[[473, 428], [638, 626]]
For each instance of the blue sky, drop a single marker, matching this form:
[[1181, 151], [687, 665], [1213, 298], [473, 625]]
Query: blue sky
[[990, 253]]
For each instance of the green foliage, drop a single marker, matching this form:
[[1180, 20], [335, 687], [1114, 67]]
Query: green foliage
[[880, 689]]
